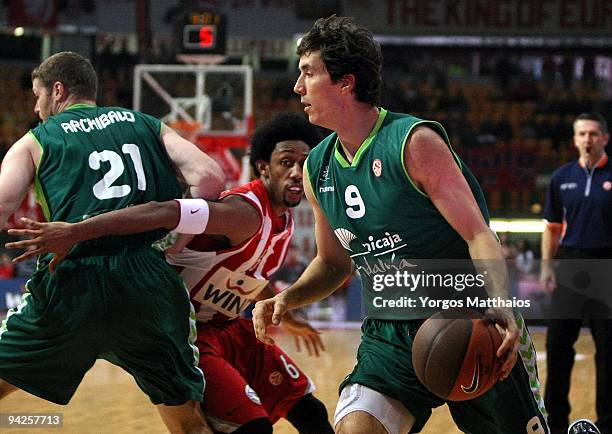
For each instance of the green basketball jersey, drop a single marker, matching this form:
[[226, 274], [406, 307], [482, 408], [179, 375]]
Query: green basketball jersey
[[380, 217], [98, 159]]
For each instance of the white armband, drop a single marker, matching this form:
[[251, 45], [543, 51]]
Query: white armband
[[194, 216]]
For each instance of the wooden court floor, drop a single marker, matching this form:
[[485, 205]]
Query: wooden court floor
[[108, 400]]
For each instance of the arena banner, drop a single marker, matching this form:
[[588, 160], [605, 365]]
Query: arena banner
[[504, 18], [588, 18], [259, 19]]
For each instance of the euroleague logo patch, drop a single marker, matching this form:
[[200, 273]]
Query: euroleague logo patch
[[377, 167], [276, 378], [607, 185]]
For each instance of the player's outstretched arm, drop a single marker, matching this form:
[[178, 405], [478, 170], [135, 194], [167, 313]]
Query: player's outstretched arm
[[434, 170], [323, 276], [55, 237], [60, 237], [233, 217]]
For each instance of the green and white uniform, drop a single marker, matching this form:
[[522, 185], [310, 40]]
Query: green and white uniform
[[384, 222], [114, 298]]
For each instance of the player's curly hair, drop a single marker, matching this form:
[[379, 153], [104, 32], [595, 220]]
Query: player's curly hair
[[286, 126], [347, 48]]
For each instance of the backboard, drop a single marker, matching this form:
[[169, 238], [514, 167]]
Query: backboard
[[212, 105]]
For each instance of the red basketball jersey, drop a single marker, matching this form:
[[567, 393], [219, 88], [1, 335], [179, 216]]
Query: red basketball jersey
[[225, 281]]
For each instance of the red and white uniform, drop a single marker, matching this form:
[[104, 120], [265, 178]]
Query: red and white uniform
[[245, 379], [223, 282]]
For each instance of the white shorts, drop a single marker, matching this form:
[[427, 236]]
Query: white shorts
[[388, 411]]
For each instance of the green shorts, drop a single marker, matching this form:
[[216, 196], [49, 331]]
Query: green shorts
[[384, 363], [129, 308]]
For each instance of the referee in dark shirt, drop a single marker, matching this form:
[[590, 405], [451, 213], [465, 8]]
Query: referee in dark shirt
[[579, 226]]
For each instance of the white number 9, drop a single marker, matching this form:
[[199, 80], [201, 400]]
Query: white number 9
[[353, 199]]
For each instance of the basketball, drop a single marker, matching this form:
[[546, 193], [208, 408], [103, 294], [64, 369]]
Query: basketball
[[454, 354]]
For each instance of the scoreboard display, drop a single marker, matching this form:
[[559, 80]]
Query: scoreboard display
[[203, 33]]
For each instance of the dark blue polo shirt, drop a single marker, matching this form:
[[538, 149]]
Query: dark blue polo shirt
[[582, 199]]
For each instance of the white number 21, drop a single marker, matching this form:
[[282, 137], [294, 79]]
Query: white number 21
[[104, 189]]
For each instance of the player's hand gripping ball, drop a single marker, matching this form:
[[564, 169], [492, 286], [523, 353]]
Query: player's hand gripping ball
[[454, 354]]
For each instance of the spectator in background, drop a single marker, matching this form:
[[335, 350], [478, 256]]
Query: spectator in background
[[525, 258]]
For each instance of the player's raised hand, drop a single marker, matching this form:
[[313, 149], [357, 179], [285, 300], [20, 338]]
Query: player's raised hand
[[302, 330], [266, 313], [509, 346], [52, 237]]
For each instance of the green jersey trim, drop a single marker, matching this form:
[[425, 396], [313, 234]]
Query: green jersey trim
[[445, 138], [306, 176], [343, 163], [365, 145], [38, 188], [79, 105]]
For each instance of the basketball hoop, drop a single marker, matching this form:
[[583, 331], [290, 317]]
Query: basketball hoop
[[193, 105], [189, 130]]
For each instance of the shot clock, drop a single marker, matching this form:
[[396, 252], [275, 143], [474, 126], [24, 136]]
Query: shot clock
[[203, 33]]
